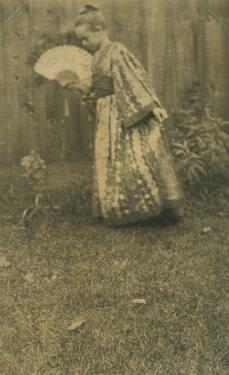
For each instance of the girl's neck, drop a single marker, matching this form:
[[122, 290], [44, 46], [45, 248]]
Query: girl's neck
[[105, 40], [104, 43]]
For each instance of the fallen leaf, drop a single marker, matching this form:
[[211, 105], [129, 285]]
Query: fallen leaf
[[29, 277], [206, 230], [54, 277], [4, 263], [139, 301], [76, 325]]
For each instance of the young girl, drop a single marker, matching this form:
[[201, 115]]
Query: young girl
[[134, 177]]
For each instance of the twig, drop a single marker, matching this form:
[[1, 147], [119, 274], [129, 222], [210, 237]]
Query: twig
[[220, 357], [16, 12], [214, 15]]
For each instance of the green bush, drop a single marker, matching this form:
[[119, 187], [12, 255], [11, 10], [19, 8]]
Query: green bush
[[200, 144]]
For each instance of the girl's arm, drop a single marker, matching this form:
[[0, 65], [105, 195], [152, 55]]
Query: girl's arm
[[134, 93]]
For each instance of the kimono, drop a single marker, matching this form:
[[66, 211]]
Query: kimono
[[134, 177]]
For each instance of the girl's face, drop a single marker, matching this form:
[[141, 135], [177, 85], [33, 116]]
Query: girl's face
[[90, 40]]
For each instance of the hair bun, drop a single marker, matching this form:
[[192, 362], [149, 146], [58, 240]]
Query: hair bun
[[88, 8]]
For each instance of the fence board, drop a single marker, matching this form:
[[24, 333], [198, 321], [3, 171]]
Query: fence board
[[11, 41], [217, 63], [3, 106]]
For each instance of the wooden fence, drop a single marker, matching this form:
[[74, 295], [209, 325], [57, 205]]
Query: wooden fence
[[176, 40]]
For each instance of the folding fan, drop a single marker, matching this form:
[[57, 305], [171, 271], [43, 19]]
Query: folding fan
[[62, 58]]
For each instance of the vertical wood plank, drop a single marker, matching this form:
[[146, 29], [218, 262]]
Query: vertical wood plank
[[159, 49], [216, 41], [3, 103], [216, 62], [10, 72], [19, 33], [38, 25]]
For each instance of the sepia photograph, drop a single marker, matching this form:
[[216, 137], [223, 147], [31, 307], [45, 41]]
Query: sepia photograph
[[114, 187]]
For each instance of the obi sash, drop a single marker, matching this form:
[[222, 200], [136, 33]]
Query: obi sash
[[103, 86]]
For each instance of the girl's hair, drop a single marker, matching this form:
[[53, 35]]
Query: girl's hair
[[91, 16]]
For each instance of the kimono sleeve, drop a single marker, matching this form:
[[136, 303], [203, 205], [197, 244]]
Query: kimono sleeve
[[134, 95]]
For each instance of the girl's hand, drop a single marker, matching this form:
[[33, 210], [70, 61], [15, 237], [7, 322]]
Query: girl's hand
[[67, 79], [88, 98], [160, 114]]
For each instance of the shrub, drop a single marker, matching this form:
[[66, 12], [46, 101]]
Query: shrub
[[35, 171], [200, 144], [35, 177]]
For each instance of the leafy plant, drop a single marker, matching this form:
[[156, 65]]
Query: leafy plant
[[35, 171], [200, 143], [35, 177]]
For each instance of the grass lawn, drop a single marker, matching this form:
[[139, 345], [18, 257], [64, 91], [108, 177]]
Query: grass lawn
[[80, 271]]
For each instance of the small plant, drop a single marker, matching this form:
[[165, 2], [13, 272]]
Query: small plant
[[200, 143], [35, 176], [35, 171]]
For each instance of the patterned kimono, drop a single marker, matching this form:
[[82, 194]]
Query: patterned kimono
[[134, 177]]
